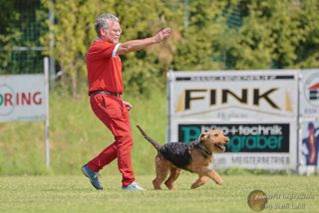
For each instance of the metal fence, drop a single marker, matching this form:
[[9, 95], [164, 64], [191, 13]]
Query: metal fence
[[23, 53]]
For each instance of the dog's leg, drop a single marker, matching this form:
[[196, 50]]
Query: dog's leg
[[211, 173], [175, 172], [200, 181], [214, 176], [161, 166]]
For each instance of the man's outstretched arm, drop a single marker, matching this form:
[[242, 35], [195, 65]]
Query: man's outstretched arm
[[135, 45]]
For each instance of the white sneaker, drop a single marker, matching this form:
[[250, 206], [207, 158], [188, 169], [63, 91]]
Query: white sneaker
[[134, 186]]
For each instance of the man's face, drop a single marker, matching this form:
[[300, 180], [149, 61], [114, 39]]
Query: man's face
[[113, 33]]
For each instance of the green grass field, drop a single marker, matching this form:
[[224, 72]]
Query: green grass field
[[74, 194]]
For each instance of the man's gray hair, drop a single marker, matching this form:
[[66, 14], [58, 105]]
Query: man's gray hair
[[101, 21]]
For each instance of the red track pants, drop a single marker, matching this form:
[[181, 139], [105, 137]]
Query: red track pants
[[113, 113]]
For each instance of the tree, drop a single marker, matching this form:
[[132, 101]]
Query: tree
[[264, 34], [8, 33], [72, 31], [274, 34], [308, 49], [199, 39]]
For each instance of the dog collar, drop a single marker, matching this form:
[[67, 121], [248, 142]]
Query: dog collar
[[205, 152]]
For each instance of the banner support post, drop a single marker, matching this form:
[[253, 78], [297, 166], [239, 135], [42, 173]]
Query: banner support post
[[46, 129]]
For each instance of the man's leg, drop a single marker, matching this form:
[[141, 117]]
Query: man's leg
[[104, 158], [115, 116], [110, 152], [124, 142], [124, 157], [103, 112], [124, 154]]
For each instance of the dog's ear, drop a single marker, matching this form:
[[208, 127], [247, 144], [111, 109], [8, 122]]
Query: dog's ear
[[203, 136]]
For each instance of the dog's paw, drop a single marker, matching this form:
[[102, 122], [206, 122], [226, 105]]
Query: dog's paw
[[156, 185], [219, 182], [194, 186], [169, 185]]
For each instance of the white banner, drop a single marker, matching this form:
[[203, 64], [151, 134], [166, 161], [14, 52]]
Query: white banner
[[256, 109], [309, 94], [22, 97], [309, 121]]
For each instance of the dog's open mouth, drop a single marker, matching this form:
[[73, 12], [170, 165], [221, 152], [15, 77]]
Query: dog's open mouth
[[220, 147]]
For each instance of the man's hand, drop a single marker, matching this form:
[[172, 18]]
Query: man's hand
[[162, 35], [128, 105]]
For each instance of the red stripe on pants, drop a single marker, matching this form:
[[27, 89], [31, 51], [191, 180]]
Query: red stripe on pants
[[113, 113]]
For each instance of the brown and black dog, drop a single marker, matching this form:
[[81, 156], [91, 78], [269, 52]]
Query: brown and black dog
[[194, 157]]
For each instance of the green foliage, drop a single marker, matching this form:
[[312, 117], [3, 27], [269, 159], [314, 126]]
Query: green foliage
[[308, 49], [207, 35], [275, 34], [8, 18], [196, 48], [72, 31], [19, 27], [140, 20]]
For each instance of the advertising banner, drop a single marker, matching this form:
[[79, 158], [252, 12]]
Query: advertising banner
[[251, 145], [309, 147], [309, 121], [22, 97], [256, 109], [309, 94]]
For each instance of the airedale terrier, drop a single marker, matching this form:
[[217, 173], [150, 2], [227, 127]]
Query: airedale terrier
[[194, 157]]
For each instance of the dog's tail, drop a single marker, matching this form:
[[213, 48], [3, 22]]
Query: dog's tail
[[153, 142]]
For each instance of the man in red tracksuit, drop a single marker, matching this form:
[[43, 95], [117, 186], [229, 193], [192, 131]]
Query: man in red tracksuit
[[105, 90]]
